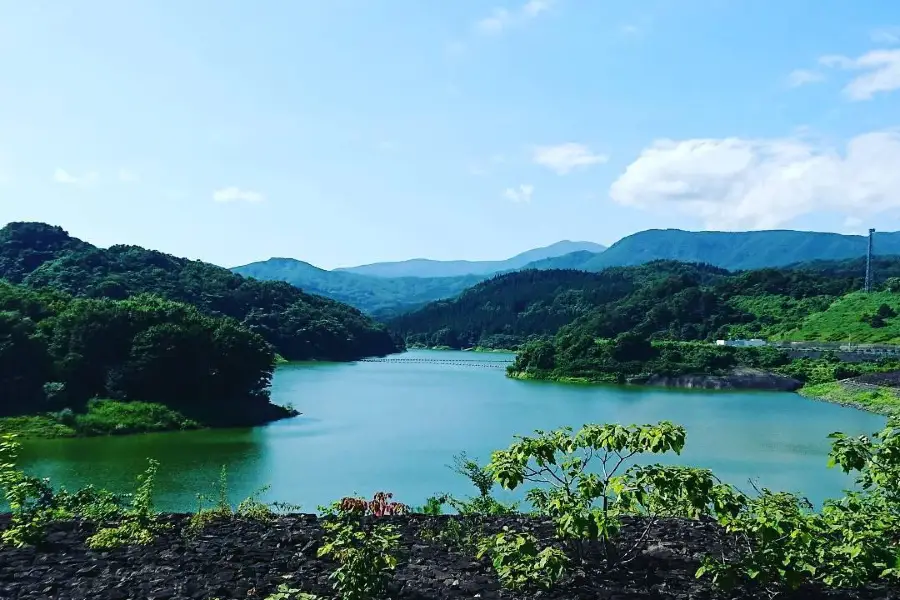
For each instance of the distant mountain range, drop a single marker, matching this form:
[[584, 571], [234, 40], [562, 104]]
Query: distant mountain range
[[372, 290], [738, 250], [387, 289], [423, 267]]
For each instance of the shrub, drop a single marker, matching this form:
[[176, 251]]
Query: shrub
[[139, 524], [519, 563], [588, 507], [30, 499], [365, 550], [851, 542]]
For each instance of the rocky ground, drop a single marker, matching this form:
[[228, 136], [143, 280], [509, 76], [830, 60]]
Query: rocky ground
[[234, 560]]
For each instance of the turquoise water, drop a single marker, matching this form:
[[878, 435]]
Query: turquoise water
[[373, 426]]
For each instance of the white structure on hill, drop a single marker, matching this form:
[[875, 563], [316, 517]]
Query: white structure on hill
[[754, 343]]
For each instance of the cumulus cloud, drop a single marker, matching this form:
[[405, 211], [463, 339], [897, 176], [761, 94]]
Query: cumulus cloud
[[501, 19], [800, 77], [563, 158], [880, 72], [735, 184], [64, 177], [522, 193], [235, 194]]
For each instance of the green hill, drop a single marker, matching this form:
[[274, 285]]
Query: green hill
[[299, 325], [383, 296], [856, 317], [58, 353], [662, 300], [739, 250], [508, 309]]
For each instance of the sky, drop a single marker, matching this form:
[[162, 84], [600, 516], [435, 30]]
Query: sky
[[344, 132]]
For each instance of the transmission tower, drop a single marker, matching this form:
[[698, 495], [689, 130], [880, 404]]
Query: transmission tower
[[868, 286]]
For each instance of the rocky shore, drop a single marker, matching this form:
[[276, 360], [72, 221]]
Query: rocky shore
[[738, 379], [233, 560]]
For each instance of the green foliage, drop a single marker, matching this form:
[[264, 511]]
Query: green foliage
[[587, 506], [139, 524], [851, 542], [300, 326], [433, 507], [519, 563], [287, 592], [366, 551], [30, 499], [101, 417], [185, 367], [220, 507], [864, 318], [34, 504], [880, 400], [484, 504]]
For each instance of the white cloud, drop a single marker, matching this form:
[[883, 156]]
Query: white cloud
[[63, 176], [501, 19], [563, 158], [886, 35], [881, 72], [522, 193], [735, 184], [629, 30], [128, 176], [387, 146], [235, 194], [800, 77]]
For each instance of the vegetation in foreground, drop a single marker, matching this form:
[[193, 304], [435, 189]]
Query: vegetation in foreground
[[584, 483]]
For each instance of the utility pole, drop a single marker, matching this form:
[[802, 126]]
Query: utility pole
[[868, 286]]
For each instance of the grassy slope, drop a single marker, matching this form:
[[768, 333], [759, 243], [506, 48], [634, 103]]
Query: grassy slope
[[840, 321], [103, 417], [781, 312], [880, 400]]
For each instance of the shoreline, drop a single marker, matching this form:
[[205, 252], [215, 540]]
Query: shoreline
[[107, 418], [881, 400]]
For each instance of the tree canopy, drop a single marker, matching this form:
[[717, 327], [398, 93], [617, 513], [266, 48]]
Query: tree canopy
[[300, 326]]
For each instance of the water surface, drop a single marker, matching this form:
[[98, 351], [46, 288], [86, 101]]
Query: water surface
[[372, 426]]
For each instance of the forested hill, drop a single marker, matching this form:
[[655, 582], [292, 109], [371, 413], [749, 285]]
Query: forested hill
[[738, 250], [378, 296], [299, 325], [662, 300], [508, 309]]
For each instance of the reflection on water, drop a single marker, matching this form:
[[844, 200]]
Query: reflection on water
[[394, 427]]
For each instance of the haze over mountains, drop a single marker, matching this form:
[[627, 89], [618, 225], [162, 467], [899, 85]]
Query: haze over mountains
[[391, 288], [423, 267]]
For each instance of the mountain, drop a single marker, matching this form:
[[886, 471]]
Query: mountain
[[508, 309], [738, 250], [423, 267], [660, 299], [382, 296], [300, 326]]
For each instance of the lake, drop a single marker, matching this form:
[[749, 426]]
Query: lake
[[394, 426]]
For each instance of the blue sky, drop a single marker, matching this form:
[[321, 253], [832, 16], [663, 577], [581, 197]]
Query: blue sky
[[352, 131]]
